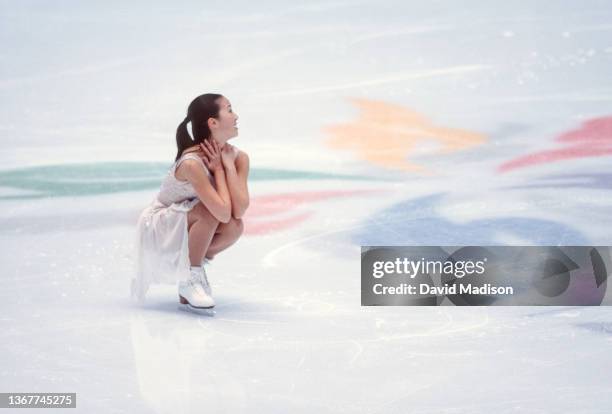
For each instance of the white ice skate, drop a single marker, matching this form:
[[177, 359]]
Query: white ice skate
[[192, 295]]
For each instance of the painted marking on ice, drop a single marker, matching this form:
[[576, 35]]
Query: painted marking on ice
[[387, 134], [592, 139]]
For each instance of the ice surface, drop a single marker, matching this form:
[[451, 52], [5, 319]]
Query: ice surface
[[90, 98]]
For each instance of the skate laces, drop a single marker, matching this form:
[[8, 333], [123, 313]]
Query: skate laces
[[195, 281], [204, 279]]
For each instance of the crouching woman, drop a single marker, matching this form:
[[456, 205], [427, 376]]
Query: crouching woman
[[198, 210]]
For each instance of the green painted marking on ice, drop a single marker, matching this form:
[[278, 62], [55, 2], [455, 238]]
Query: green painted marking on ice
[[115, 177]]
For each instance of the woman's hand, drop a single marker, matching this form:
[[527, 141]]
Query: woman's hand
[[212, 155], [228, 155]]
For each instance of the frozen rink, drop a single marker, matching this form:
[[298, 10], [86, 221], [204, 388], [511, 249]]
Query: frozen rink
[[367, 123]]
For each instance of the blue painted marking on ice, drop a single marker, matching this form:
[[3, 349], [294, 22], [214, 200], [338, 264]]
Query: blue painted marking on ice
[[416, 222]]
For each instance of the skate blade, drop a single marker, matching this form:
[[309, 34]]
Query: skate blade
[[200, 311]]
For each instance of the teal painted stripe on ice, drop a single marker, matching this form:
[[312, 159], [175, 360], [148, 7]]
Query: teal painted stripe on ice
[[114, 177]]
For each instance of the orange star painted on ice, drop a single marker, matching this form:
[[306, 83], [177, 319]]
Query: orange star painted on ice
[[387, 135]]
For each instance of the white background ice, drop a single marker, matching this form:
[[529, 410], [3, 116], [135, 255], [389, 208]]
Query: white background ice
[[91, 83]]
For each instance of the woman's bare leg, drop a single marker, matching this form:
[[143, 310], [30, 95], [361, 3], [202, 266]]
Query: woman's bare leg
[[226, 235], [202, 226]]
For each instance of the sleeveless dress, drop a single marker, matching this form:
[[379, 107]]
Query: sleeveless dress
[[162, 252]]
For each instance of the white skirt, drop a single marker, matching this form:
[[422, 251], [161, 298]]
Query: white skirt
[[162, 249]]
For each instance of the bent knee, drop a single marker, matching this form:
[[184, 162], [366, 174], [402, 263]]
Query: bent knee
[[239, 225], [200, 212], [235, 226]]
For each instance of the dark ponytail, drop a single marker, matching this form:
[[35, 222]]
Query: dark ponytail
[[200, 110]]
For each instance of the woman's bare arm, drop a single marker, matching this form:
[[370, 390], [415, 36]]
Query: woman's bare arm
[[237, 176], [217, 201]]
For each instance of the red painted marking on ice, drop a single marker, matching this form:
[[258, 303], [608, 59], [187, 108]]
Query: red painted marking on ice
[[598, 129], [592, 139], [278, 204], [255, 228], [554, 155]]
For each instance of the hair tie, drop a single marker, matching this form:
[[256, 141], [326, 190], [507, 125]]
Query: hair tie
[[188, 126]]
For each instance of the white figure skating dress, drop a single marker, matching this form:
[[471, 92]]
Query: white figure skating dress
[[162, 252]]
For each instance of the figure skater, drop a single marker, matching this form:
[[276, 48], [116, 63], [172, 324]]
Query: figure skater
[[198, 210]]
